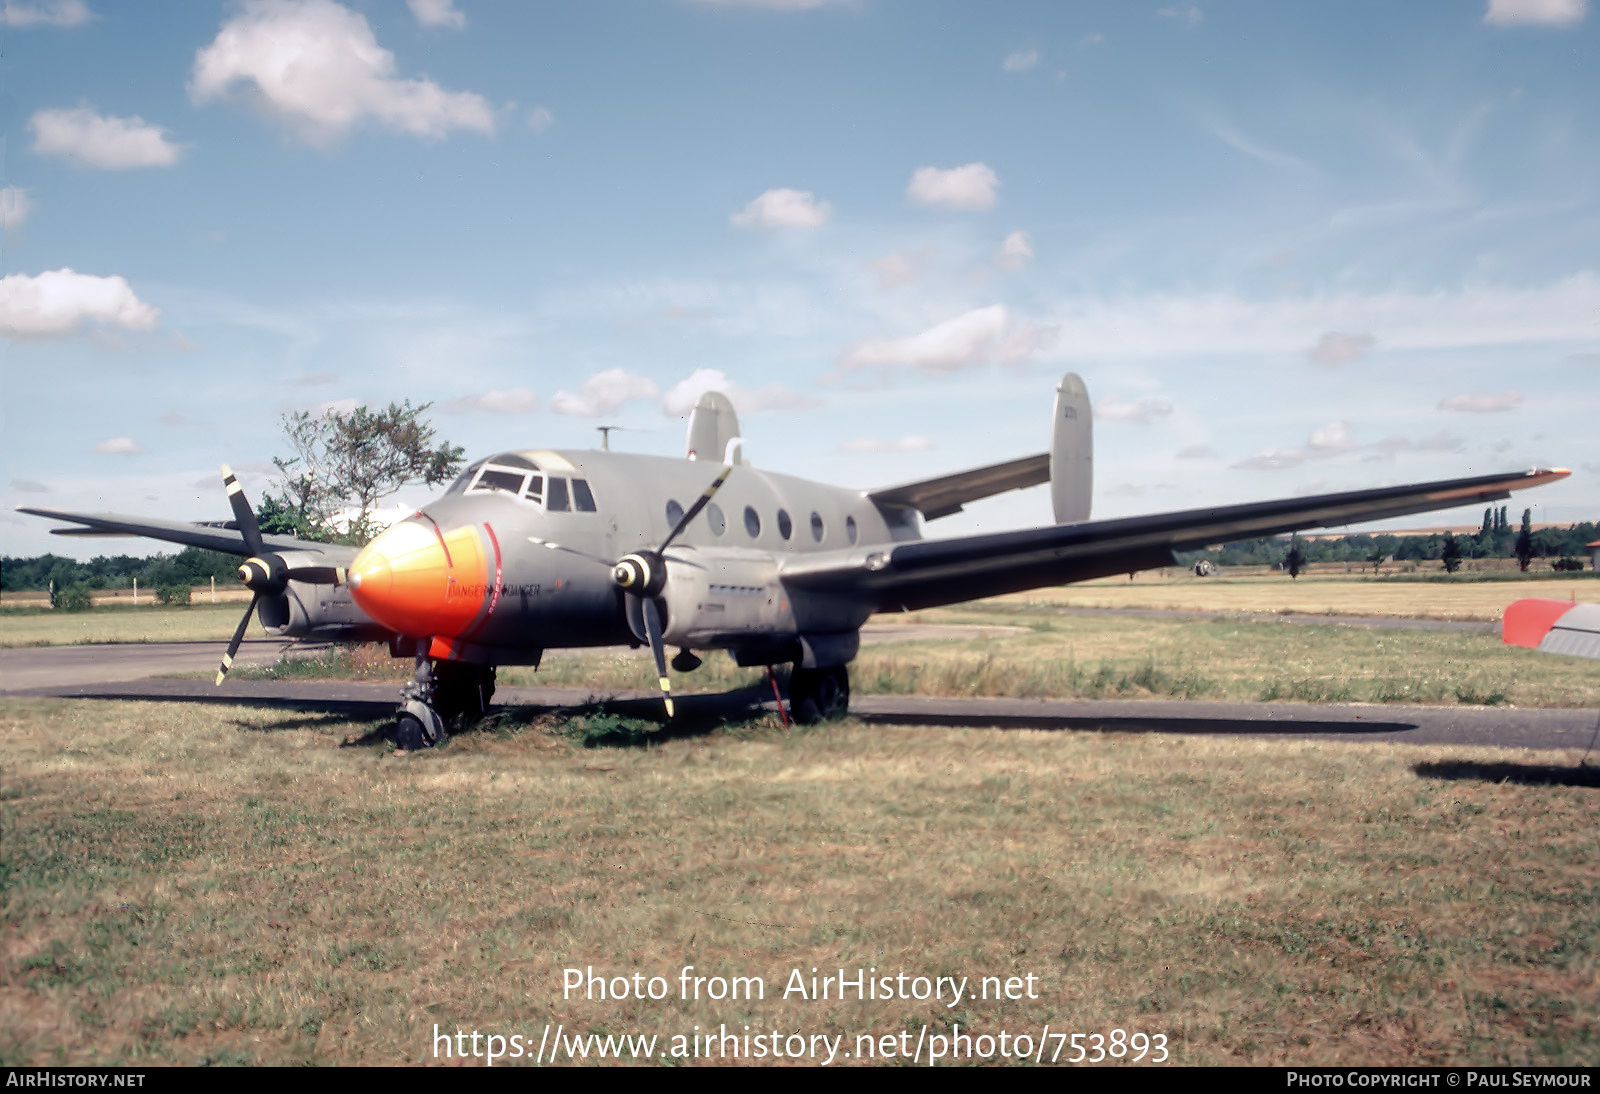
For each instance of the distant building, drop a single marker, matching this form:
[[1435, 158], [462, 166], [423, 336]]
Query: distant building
[[1594, 553]]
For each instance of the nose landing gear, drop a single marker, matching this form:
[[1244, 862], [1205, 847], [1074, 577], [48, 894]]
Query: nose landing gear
[[441, 693]]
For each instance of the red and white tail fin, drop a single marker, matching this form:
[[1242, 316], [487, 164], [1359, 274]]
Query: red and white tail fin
[[1553, 626]]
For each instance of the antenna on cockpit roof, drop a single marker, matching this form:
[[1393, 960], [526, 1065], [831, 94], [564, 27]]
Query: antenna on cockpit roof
[[605, 436]]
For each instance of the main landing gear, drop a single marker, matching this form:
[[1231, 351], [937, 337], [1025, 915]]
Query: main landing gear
[[440, 693], [819, 695]]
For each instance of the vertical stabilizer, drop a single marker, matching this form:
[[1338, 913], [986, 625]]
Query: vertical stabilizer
[[1072, 451], [712, 425]]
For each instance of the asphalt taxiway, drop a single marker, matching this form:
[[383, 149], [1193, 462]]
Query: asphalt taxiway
[[151, 671]]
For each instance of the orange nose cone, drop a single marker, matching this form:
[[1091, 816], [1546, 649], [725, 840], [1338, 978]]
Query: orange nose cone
[[416, 581]]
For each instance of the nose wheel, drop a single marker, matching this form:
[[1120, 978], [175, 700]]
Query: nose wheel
[[441, 693]]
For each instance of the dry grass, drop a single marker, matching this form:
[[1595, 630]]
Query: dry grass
[[197, 623], [1065, 656], [192, 883], [1093, 657], [1427, 594]]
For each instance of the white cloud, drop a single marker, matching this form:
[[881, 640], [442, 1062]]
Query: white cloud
[[970, 186], [29, 486], [1331, 439], [603, 394], [783, 208], [1021, 60], [540, 119], [894, 269], [678, 401], [56, 303], [1187, 14], [1145, 411], [14, 207], [770, 5], [1549, 13], [44, 13], [872, 444], [436, 13], [122, 446], [94, 140], [970, 339], [974, 338], [1483, 402], [1335, 348], [1439, 442], [1015, 252], [1186, 326], [1273, 459], [316, 66], [1335, 439], [1197, 452], [517, 400]]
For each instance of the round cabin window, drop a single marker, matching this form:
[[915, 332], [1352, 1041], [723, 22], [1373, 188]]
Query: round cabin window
[[752, 521], [785, 525], [816, 527], [674, 515], [850, 529], [714, 517]]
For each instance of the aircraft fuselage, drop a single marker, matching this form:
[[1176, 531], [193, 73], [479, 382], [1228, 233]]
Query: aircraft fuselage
[[472, 574]]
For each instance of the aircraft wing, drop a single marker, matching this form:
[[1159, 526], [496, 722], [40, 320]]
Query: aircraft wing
[[1553, 626], [213, 537], [946, 494], [927, 573]]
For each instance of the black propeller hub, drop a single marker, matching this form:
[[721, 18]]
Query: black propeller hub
[[642, 573], [264, 574]]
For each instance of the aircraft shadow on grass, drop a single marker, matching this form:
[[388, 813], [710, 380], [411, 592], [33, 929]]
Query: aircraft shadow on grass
[[702, 714], [1583, 774]]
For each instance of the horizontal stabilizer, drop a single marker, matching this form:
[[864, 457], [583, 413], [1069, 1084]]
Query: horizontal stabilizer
[[940, 497]]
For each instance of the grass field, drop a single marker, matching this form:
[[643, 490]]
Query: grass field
[[1426, 594], [190, 884], [43, 627]]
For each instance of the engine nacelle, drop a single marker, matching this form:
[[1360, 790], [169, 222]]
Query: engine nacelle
[[304, 610], [718, 597]]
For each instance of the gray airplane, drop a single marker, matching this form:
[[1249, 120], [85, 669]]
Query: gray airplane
[[535, 549]]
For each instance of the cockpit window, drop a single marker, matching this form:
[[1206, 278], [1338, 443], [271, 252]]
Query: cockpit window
[[492, 478], [465, 477], [534, 491], [582, 497], [556, 500]]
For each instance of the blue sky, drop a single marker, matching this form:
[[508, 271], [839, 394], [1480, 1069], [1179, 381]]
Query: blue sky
[[1291, 248]]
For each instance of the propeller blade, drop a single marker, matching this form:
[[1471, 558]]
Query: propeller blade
[[694, 510], [243, 515], [317, 575], [658, 649], [238, 636], [537, 542]]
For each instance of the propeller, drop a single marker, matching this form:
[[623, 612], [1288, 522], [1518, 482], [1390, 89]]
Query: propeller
[[263, 573], [643, 574]]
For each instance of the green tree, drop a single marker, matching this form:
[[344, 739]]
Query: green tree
[[1524, 551], [1450, 553], [354, 461]]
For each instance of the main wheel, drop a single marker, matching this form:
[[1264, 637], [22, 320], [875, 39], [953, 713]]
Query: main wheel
[[819, 695], [462, 691]]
